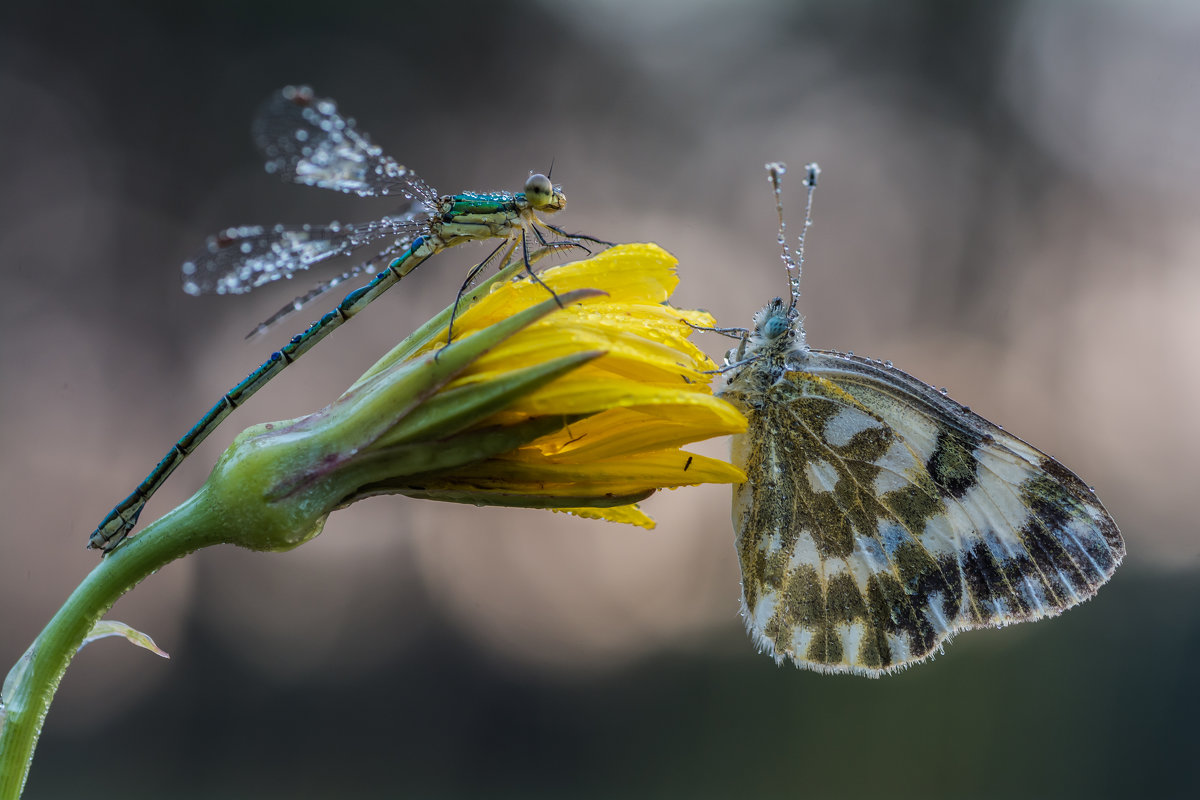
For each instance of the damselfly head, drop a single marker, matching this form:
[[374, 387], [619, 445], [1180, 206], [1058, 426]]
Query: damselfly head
[[544, 195]]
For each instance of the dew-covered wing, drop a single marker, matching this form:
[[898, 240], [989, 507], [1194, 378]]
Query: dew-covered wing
[[880, 518], [306, 140], [237, 260], [297, 303]]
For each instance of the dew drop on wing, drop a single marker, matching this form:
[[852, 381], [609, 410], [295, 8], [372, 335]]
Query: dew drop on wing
[[888, 364]]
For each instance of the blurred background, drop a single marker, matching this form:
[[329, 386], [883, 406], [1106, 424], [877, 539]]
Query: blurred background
[[1009, 208]]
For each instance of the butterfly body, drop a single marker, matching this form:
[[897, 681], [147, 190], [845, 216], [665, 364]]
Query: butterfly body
[[880, 517]]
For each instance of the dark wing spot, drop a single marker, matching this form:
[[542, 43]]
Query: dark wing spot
[[952, 465]]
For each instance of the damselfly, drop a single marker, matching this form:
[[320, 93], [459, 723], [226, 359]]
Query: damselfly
[[306, 141]]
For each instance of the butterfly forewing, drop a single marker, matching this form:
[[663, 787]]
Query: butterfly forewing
[[880, 517]]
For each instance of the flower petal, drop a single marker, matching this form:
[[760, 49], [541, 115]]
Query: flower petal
[[629, 515]]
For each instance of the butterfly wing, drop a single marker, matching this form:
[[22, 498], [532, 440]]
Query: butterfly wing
[[880, 517]]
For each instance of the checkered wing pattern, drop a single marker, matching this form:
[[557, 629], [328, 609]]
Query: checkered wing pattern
[[879, 517]]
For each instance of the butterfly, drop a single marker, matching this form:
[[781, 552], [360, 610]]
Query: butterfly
[[879, 517]]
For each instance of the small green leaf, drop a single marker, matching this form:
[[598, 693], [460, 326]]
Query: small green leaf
[[109, 627]]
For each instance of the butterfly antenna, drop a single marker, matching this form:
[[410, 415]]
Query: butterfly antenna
[[775, 171], [812, 173]]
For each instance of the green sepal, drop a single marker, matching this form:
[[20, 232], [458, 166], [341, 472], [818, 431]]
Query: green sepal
[[457, 409], [403, 468]]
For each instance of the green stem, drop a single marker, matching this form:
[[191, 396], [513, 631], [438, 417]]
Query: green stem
[[193, 525]]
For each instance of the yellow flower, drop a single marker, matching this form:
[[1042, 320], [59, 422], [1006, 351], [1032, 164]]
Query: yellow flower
[[636, 405], [581, 407]]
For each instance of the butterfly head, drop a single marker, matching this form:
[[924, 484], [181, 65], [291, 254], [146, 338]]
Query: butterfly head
[[778, 327], [778, 331]]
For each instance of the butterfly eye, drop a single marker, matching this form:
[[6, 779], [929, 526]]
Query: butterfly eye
[[539, 191], [775, 327]]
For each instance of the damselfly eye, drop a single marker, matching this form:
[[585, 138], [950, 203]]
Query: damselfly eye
[[539, 191]]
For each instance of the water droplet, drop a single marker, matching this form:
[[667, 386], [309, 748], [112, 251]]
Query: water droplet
[[888, 364]]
